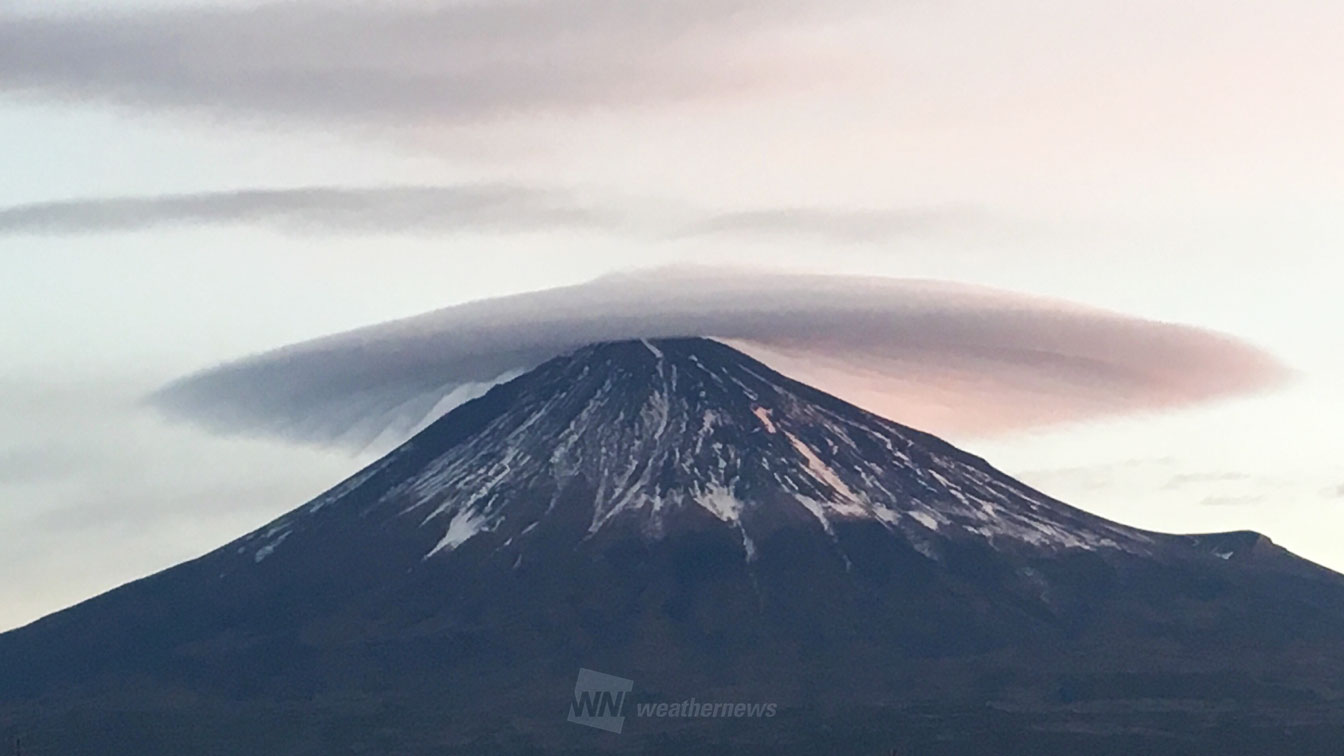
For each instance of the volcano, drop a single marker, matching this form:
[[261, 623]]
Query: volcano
[[675, 513]]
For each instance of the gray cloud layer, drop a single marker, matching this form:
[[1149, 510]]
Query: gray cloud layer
[[833, 224], [948, 358], [471, 207], [488, 207], [381, 61]]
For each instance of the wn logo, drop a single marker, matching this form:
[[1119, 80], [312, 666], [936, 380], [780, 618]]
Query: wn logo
[[599, 700]]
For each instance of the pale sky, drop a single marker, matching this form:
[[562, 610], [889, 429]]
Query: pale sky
[[186, 183]]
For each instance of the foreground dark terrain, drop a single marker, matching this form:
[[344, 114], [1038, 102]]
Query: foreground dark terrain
[[676, 513]]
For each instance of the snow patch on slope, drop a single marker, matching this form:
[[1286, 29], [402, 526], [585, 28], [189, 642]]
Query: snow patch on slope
[[270, 547], [821, 470], [764, 415], [464, 525], [924, 519], [721, 503]]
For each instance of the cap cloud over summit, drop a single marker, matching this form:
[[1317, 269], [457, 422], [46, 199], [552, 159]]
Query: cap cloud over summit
[[947, 358]]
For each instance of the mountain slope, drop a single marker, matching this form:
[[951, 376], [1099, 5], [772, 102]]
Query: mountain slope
[[660, 430], [678, 513]]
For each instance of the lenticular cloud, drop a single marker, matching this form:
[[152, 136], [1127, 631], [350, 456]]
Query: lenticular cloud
[[946, 358]]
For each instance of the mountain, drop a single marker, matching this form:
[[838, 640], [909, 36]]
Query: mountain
[[676, 513]]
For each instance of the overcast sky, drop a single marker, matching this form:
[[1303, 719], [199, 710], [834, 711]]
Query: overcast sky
[[186, 183]]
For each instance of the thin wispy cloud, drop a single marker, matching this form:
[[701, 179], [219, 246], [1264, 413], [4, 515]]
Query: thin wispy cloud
[[1186, 480], [1231, 501], [403, 209], [482, 208], [836, 224]]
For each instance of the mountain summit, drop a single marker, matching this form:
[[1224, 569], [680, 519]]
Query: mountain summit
[[689, 434], [677, 513]]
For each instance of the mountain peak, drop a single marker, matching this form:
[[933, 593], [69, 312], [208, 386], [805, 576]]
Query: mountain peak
[[652, 437]]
